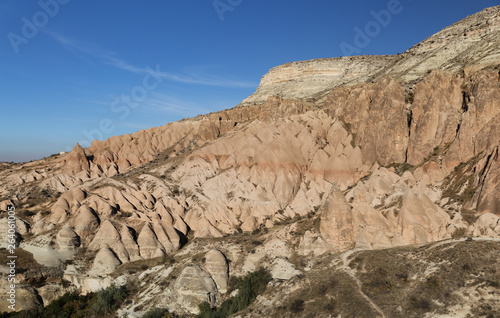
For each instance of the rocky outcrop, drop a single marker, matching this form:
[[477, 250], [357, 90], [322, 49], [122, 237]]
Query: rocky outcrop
[[216, 265], [76, 161], [195, 286], [5, 205], [337, 221], [67, 239], [364, 220], [283, 270], [51, 292], [383, 151], [420, 220], [456, 48], [487, 198], [26, 298], [157, 239], [312, 244], [85, 221], [105, 262], [479, 130], [487, 224], [436, 114], [299, 80]]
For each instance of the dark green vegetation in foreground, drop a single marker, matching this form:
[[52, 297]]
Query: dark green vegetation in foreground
[[406, 281], [106, 302], [73, 305], [250, 287]]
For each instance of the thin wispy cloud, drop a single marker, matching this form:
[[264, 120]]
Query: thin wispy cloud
[[88, 52], [75, 120], [163, 103]]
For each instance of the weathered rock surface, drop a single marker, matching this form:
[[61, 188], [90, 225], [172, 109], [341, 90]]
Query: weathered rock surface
[[217, 267], [456, 47], [85, 222], [305, 79], [194, 287], [337, 221], [51, 292], [282, 269], [76, 161], [26, 298], [330, 154], [420, 220], [67, 239], [436, 114], [105, 262]]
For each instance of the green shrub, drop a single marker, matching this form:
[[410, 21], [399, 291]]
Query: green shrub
[[469, 216], [331, 305], [459, 233], [109, 299], [250, 287], [69, 305], [66, 306], [433, 283], [158, 313], [297, 306], [420, 303]]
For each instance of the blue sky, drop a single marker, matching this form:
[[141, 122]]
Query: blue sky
[[75, 70]]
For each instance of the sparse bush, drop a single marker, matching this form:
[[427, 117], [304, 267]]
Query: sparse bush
[[494, 283], [107, 300], [459, 233], [322, 290], [409, 98], [233, 283], [65, 283], [205, 310], [176, 190], [256, 231], [252, 285], [158, 313], [333, 282], [433, 283], [403, 276], [297, 306], [420, 303], [256, 242], [469, 216], [331, 305], [138, 308], [26, 214]]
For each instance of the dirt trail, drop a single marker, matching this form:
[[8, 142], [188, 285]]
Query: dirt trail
[[455, 241], [350, 272], [343, 263]]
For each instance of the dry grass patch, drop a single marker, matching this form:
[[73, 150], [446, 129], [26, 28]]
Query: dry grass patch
[[142, 265], [24, 261]]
